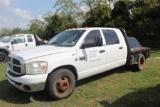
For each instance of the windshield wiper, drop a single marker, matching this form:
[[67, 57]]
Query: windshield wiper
[[56, 44]]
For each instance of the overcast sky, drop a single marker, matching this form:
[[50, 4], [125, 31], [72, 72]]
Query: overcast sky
[[18, 13]]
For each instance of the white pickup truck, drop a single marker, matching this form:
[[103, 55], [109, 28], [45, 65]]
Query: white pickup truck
[[17, 42], [73, 55]]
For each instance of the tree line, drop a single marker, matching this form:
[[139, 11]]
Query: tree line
[[140, 19]]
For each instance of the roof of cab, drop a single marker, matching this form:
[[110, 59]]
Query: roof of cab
[[91, 28]]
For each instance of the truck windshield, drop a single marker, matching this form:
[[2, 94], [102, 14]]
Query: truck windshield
[[8, 39], [133, 43], [67, 38]]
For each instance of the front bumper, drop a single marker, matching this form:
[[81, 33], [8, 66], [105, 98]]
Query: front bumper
[[28, 83]]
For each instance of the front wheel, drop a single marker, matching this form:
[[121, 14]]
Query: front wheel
[[141, 62], [60, 84], [3, 57]]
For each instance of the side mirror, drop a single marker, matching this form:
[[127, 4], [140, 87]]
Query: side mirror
[[82, 46], [13, 42], [98, 41]]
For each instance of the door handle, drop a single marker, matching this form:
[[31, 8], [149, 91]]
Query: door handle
[[120, 47], [101, 51], [26, 45]]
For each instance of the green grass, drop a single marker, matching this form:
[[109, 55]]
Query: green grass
[[117, 88], [155, 53]]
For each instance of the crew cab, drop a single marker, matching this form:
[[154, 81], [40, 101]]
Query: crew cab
[[17, 42], [73, 55]]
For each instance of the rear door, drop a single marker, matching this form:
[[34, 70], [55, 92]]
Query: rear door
[[30, 41], [115, 49]]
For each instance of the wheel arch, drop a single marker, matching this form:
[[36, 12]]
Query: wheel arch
[[70, 67], [5, 50], [4, 54], [2, 50], [143, 53]]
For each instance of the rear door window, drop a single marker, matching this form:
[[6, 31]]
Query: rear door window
[[110, 37], [29, 38]]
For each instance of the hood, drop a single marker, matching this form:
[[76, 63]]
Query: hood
[[3, 44], [39, 51]]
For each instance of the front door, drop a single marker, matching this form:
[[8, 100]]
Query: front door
[[19, 43], [91, 56]]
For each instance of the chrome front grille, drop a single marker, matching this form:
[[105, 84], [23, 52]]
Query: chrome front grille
[[16, 64]]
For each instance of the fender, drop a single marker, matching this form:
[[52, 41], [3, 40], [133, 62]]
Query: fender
[[4, 48], [4, 52]]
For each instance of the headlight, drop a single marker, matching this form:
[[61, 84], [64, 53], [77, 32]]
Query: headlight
[[39, 67]]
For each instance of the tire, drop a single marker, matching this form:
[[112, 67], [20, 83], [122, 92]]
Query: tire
[[3, 57], [141, 62], [60, 84]]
